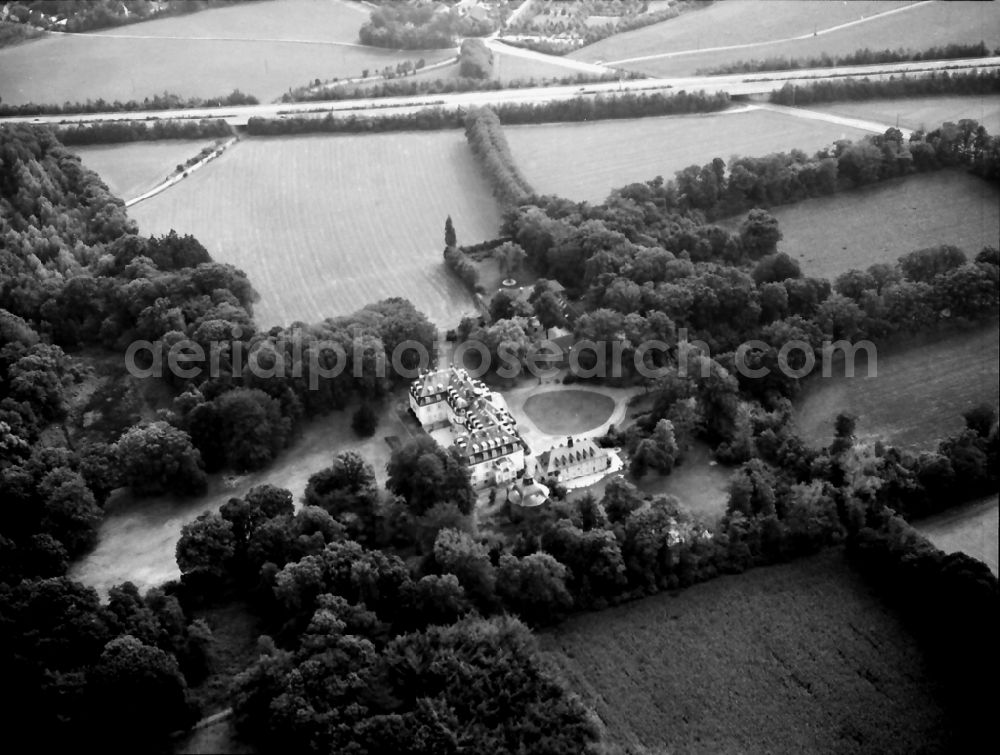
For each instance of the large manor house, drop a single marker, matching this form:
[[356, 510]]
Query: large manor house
[[464, 413]]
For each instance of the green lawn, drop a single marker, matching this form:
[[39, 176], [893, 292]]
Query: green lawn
[[568, 412], [699, 484], [793, 658]]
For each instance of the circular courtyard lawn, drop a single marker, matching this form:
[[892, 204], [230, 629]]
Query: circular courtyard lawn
[[569, 412]]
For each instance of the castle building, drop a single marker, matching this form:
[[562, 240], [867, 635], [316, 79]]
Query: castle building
[[527, 492], [479, 424], [575, 458]]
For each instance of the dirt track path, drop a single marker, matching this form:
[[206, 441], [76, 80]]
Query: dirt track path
[[840, 120]]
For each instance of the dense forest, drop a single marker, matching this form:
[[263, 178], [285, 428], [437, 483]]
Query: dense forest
[[392, 622]]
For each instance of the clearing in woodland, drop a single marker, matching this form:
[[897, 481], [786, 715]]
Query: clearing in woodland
[[585, 161], [882, 222], [130, 169], [137, 539], [745, 23], [917, 396], [262, 48], [324, 224], [801, 657], [927, 113]]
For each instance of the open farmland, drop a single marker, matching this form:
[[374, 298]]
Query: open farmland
[[206, 54], [323, 225], [794, 658], [970, 529], [585, 161], [730, 23], [131, 169], [741, 23], [889, 220], [926, 113], [916, 398]]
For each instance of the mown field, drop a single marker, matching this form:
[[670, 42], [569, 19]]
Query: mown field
[[926, 113], [509, 67], [739, 23], [916, 397], [186, 56], [131, 169], [326, 224], [585, 161], [971, 529], [855, 229], [793, 658]]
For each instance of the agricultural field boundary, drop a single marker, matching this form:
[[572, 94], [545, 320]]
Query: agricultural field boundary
[[318, 42], [373, 79], [577, 65], [813, 115], [175, 179], [749, 45]]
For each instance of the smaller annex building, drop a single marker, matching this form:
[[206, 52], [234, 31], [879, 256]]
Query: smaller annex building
[[578, 457], [467, 416]]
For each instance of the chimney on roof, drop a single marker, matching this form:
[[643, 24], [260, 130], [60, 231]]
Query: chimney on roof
[[569, 441]]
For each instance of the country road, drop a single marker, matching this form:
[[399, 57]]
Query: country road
[[734, 84]]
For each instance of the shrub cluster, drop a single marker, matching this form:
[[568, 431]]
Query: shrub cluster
[[942, 83], [863, 57], [459, 264], [486, 138], [420, 26], [622, 105], [111, 132], [475, 61]]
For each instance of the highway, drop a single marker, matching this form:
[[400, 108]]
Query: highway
[[734, 84]]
